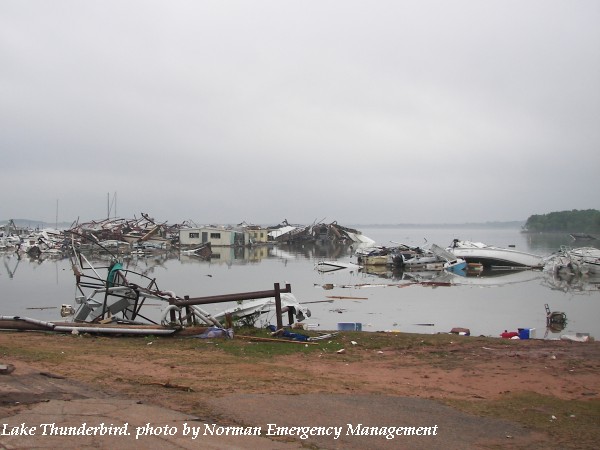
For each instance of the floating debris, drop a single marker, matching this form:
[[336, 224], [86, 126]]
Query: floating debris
[[577, 337], [332, 266], [556, 321]]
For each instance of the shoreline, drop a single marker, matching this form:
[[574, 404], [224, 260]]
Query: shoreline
[[224, 381]]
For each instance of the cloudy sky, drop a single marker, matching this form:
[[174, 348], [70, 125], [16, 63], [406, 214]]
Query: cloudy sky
[[415, 111]]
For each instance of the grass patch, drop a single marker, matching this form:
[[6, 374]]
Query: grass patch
[[346, 340], [572, 422], [241, 346], [32, 353], [66, 347]]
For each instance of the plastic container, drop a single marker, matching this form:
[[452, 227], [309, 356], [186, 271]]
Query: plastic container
[[349, 326], [526, 333]]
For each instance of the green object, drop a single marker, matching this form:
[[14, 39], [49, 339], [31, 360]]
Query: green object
[[112, 273]]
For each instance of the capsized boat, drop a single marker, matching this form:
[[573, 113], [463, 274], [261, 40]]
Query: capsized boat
[[331, 266], [490, 256]]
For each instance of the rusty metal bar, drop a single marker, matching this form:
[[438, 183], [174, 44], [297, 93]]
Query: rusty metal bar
[[230, 297], [276, 292]]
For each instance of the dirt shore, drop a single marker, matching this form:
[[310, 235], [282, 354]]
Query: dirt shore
[[545, 394]]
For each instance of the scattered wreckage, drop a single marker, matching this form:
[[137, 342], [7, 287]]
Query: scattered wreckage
[[126, 235], [31, 242], [109, 236], [581, 261], [145, 235], [113, 304]]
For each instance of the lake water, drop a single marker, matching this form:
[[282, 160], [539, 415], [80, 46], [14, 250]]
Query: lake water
[[486, 305]]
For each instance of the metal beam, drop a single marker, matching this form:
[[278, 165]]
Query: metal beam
[[228, 297]]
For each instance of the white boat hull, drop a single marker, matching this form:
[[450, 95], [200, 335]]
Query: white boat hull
[[490, 256]]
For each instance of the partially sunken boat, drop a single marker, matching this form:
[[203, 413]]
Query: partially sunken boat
[[494, 257], [410, 258]]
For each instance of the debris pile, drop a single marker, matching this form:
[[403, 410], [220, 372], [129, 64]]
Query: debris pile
[[31, 242], [317, 232], [127, 234]]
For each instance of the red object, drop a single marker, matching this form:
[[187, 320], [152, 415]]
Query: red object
[[509, 334]]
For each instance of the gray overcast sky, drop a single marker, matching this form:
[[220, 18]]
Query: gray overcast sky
[[221, 111]]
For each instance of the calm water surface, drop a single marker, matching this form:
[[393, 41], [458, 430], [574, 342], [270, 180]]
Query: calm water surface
[[386, 300]]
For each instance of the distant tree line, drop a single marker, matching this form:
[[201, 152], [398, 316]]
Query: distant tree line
[[574, 221]]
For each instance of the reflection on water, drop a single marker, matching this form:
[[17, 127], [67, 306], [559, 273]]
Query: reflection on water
[[572, 282], [546, 243], [377, 297]]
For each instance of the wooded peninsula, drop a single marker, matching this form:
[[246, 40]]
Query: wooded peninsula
[[574, 221]]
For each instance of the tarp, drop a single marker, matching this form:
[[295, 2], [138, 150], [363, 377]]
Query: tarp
[[113, 273]]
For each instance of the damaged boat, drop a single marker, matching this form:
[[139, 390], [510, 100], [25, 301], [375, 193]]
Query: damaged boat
[[259, 307], [409, 258], [576, 261], [494, 257], [376, 255]]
